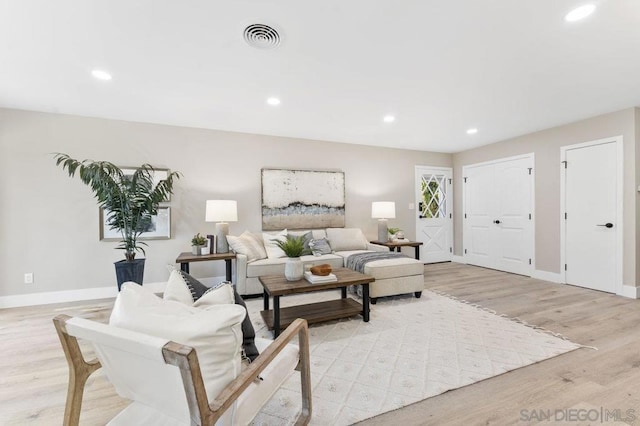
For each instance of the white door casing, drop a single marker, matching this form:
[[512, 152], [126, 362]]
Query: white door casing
[[591, 216], [498, 207], [434, 217]]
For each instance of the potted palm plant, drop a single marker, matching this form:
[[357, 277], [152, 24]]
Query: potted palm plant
[[129, 201], [293, 248]]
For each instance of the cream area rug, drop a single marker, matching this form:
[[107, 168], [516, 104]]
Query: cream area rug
[[411, 349]]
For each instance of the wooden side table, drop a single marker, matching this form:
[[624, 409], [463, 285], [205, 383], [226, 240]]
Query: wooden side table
[[187, 257], [396, 245]]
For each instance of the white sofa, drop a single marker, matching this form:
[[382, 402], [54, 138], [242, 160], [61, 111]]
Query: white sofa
[[393, 276]]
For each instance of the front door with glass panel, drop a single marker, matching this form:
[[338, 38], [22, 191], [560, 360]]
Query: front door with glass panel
[[434, 222]]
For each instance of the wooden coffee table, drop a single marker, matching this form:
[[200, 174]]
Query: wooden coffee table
[[277, 285]]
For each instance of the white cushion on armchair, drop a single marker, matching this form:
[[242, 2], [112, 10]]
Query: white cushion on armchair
[[214, 331]]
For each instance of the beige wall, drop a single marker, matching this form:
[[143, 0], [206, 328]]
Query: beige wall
[[546, 146], [49, 222]]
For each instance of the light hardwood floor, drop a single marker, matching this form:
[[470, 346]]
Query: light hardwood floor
[[33, 372]]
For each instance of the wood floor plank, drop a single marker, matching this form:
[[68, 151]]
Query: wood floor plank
[[34, 374]]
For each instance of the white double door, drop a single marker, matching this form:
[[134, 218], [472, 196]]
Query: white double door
[[498, 223], [592, 201]]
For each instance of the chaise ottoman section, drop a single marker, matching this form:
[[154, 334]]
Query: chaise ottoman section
[[395, 276]]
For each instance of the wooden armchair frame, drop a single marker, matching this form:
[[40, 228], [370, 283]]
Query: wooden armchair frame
[[185, 358]]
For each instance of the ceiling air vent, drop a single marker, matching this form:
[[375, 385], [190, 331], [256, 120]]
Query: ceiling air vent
[[262, 36]]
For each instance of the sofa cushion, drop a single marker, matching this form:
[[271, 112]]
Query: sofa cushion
[[266, 267], [276, 266], [214, 331], [346, 253], [249, 245], [346, 239], [273, 251]]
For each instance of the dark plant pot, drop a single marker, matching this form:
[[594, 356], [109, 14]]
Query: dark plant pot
[[129, 271]]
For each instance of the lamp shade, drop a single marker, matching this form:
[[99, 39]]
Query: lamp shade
[[222, 211], [383, 210]]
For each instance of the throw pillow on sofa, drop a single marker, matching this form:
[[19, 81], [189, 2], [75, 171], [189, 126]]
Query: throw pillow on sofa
[[214, 331], [320, 246], [185, 289], [249, 245], [343, 239], [308, 236], [273, 251]]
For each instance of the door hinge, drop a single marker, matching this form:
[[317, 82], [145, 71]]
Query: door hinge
[[465, 215], [565, 215], [565, 266], [465, 251], [450, 181], [465, 180], [529, 261], [450, 216], [565, 164], [450, 249], [529, 168], [529, 216]]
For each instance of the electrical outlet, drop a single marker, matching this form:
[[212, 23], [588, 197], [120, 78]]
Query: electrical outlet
[[28, 278]]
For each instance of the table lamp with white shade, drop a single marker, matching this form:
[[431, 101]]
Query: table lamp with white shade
[[222, 211], [383, 210]]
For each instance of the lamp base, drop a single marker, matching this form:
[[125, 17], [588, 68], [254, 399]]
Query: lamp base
[[383, 231], [222, 230]]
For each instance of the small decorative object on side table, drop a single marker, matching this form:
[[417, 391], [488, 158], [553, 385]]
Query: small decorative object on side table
[[197, 243], [396, 245]]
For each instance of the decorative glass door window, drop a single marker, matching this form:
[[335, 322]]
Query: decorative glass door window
[[434, 196]]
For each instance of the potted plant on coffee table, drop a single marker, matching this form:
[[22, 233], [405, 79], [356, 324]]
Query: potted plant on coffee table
[[293, 248], [129, 201]]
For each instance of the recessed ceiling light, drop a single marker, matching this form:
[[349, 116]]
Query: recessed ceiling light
[[389, 119], [273, 101], [101, 75], [580, 13], [472, 131]]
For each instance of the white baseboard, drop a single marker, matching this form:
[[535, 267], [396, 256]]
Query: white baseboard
[[458, 259], [553, 277], [48, 297], [630, 292]]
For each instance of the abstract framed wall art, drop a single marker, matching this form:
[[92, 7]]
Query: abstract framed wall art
[[158, 229], [157, 176], [302, 199]]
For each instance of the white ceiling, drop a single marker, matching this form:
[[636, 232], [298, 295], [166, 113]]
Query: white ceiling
[[507, 67]]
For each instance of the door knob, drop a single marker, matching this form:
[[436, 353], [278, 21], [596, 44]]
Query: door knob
[[607, 225], [497, 222]]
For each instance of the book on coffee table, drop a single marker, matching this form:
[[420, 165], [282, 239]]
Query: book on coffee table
[[314, 279]]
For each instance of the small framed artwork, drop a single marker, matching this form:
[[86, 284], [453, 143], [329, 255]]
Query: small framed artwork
[[158, 229], [158, 175]]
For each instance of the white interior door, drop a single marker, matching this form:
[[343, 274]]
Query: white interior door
[[479, 214], [498, 214], [593, 216], [434, 223], [513, 245]]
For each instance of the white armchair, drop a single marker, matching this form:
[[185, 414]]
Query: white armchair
[[164, 380]]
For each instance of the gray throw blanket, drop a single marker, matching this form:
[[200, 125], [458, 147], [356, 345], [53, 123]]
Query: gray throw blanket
[[358, 260]]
